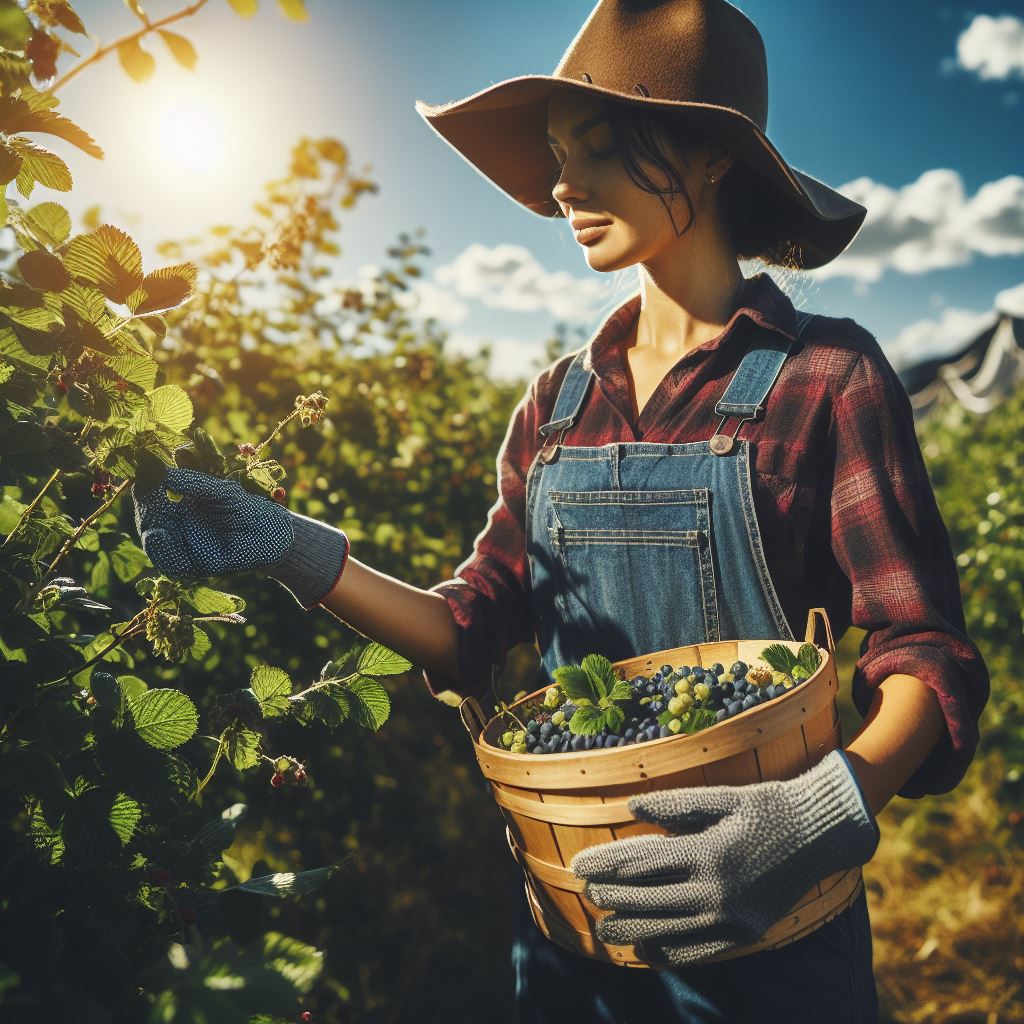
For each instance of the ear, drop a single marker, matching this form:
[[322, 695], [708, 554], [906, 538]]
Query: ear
[[719, 160]]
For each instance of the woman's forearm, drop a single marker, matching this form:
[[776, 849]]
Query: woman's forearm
[[417, 624], [901, 729]]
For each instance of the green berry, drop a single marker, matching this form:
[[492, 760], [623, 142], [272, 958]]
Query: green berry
[[683, 686], [675, 725], [507, 738], [558, 717], [701, 691]]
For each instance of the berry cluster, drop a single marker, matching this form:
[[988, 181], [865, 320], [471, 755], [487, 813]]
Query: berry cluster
[[287, 769], [101, 484], [673, 700], [311, 408]]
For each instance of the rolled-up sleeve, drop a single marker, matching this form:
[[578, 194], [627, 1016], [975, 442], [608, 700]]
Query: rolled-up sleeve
[[490, 593], [889, 538]]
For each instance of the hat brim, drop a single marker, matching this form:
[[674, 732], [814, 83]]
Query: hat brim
[[501, 133]]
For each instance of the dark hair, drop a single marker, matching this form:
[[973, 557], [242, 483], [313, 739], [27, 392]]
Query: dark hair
[[749, 207]]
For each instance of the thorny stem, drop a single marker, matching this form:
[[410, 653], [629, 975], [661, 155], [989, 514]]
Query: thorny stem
[[28, 510]]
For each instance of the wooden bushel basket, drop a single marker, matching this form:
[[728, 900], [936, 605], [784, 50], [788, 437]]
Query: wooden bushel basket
[[558, 804]]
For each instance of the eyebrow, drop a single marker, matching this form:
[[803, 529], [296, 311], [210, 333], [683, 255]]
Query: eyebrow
[[582, 127]]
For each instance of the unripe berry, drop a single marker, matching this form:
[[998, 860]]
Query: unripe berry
[[278, 494], [277, 779]]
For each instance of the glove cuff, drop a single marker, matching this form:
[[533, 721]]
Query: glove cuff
[[313, 563], [840, 823]]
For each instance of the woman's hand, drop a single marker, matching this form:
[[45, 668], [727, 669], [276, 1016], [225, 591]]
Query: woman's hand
[[217, 527], [746, 855]]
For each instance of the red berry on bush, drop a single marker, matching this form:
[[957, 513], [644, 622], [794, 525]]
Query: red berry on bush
[[278, 494], [99, 490], [277, 779], [305, 1016], [247, 449], [62, 386], [300, 775], [121, 384]]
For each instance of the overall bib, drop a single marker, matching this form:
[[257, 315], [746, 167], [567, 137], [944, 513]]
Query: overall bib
[[638, 547]]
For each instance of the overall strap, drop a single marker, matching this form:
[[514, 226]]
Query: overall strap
[[570, 397], [753, 380]]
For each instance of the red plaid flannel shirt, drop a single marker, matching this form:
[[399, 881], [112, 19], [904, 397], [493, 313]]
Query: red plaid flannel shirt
[[843, 500]]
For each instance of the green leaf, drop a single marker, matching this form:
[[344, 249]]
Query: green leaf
[[601, 671], [577, 683], [49, 222], [171, 408], [781, 658], [272, 688], [164, 718], [217, 835], [139, 63], [17, 116], [208, 601], [587, 720], [97, 824], [242, 748], [136, 369], [286, 883], [621, 690], [371, 704], [201, 643], [163, 289], [108, 258], [42, 166], [128, 560], [377, 660], [15, 29], [181, 49], [809, 657], [614, 717]]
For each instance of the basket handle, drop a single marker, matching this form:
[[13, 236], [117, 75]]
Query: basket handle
[[809, 635], [472, 716]]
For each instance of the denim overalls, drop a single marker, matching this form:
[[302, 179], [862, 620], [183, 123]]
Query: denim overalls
[[638, 547]]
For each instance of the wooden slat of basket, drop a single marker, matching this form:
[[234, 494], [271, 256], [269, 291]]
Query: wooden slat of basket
[[737, 770], [588, 812], [783, 757]]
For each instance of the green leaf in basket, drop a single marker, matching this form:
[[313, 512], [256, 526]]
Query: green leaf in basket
[[577, 683], [587, 720], [599, 668], [781, 658], [621, 690], [809, 657], [614, 717]]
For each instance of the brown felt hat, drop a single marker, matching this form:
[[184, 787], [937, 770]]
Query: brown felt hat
[[703, 58]]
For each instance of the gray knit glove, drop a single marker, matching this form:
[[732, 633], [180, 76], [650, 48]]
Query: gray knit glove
[[745, 856], [219, 527]]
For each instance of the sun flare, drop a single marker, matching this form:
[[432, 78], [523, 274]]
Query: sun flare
[[190, 137]]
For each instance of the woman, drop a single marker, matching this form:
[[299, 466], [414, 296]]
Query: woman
[[628, 520]]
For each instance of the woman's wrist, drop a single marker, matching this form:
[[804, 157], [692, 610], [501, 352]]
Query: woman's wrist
[[313, 563]]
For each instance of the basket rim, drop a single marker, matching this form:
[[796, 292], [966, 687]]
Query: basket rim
[[561, 758]]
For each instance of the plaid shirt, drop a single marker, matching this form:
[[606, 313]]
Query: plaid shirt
[[842, 495]]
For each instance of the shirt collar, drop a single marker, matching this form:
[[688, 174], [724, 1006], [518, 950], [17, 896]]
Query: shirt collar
[[762, 301]]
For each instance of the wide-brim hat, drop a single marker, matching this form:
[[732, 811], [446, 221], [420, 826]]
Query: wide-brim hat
[[701, 58]]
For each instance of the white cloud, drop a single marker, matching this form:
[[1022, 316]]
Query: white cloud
[[993, 48], [511, 358], [1011, 301], [508, 277], [931, 339], [930, 224], [424, 299]]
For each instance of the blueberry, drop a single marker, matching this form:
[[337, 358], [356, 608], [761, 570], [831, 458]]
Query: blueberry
[[735, 707], [664, 731], [717, 669], [749, 702], [546, 730], [738, 668], [721, 715], [629, 733], [577, 743], [653, 731], [589, 742], [666, 670], [533, 727]]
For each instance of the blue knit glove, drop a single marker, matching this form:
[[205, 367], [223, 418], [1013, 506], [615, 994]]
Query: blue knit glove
[[746, 855], [219, 527]]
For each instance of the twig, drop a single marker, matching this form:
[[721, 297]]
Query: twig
[[28, 510]]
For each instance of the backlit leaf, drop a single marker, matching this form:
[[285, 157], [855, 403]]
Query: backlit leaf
[[164, 718], [181, 49], [139, 63], [272, 688], [377, 660]]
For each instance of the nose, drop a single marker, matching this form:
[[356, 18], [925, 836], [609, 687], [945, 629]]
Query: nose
[[567, 190]]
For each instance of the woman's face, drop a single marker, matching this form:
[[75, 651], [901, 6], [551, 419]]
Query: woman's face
[[593, 184]]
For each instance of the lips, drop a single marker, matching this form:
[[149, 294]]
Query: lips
[[589, 234]]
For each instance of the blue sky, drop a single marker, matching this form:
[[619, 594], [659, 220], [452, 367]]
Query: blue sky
[[913, 108]]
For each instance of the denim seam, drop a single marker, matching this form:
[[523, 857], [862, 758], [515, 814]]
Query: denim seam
[[756, 550]]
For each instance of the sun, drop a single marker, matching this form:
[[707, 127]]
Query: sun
[[189, 137]]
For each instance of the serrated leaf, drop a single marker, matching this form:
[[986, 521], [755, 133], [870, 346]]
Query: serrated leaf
[[107, 257], [242, 748], [621, 690], [139, 63], [136, 369], [377, 660], [601, 671], [166, 288], [217, 835], [614, 717], [97, 824], [272, 688], [201, 643], [286, 883], [781, 658], [17, 116], [371, 703], [42, 166], [208, 601], [809, 657], [50, 223], [170, 407], [587, 721], [577, 683], [164, 718]]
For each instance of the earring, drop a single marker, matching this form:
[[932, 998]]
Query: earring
[[710, 179]]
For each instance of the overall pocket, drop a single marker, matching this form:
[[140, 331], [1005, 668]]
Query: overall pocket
[[636, 568]]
